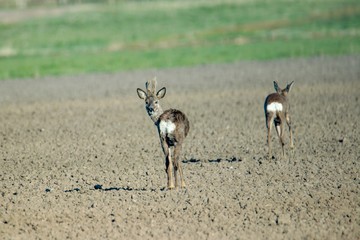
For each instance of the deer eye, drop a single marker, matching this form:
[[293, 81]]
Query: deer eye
[[156, 102], [147, 102]]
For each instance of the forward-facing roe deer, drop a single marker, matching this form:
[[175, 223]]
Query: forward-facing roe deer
[[172, 125], [277, 108]]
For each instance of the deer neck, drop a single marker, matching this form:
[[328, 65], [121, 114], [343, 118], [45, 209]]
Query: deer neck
[[284, 94]]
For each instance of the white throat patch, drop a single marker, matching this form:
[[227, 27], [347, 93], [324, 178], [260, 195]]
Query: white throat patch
[[167, 127], [274, 107]]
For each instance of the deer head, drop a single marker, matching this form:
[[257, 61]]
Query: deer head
[[151, 97], [284, 91]]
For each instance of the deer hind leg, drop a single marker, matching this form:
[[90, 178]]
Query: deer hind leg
[[169, 170], [279, 124], [269, 120], [288, 121], [282, 138], [168, 163], [177, 166]]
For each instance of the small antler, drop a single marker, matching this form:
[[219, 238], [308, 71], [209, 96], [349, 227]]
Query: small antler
[[151, 86]]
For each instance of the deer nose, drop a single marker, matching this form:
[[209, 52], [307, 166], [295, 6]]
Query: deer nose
[[150, 109]]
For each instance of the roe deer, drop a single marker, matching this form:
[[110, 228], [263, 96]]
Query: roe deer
[[277, 108], [172, 125]]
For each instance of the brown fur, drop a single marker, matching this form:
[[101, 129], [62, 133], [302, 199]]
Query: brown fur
[[278, 117], [171, 143]]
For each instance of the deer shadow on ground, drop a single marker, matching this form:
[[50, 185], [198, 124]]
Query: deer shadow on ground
[[99, 187], [217, 160]]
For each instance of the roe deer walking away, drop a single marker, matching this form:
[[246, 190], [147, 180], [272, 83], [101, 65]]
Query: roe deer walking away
[[172, 125], [277, 108]]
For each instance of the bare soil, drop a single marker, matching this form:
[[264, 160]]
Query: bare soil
[[80, 158]]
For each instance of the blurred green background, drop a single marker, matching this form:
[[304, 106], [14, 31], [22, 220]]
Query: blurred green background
[[63, 37]]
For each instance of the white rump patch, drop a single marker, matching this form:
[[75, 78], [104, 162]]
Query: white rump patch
[[167, 127], [274, 107]]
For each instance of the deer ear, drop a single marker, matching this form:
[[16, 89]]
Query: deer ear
[[289, 86], [161, 93], [141, 93], [276, 86]]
